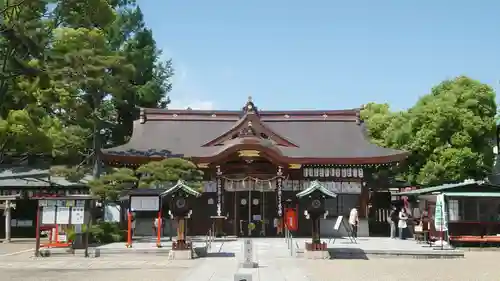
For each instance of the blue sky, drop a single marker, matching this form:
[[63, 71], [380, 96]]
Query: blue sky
[[296, 54]]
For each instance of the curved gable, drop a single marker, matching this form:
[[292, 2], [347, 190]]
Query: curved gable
[[250, 125]]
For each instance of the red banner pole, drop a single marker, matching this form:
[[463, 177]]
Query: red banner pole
[[129, 230], [158, 231], [37, 234]]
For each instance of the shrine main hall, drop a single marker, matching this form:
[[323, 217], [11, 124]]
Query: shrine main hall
[[255, 162]]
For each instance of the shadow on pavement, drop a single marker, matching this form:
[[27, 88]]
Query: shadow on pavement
[[347, 253], [220, 255]]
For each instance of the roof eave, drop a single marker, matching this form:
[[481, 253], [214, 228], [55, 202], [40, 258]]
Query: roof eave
[[181, 185], [313, 186]]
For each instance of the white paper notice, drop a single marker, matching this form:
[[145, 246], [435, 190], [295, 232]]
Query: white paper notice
[[77, 215], [62, 215], [48, 215]]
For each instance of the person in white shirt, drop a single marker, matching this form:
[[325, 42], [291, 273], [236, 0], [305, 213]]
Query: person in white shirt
[[402, 225], [354, 221], [155, 226]]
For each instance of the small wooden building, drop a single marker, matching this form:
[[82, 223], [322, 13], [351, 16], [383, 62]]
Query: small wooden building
[[254, 160], [473, 207], [31, 183]]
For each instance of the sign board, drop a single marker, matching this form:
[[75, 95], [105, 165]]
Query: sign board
[[440, 216], [248, 251], [112, 212], [145, 203], [338, 222], [77, 215], [62, 215], [48, 215], [62, 238]]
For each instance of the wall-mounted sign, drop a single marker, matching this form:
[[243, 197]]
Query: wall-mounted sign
[[49, 215], [77, 215], [62, 215], [145, 203]]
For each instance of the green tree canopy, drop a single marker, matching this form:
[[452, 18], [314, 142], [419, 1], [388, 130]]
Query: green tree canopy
[[157, 173], [72, 74], [110, 186], [151, 175], [449, 132]]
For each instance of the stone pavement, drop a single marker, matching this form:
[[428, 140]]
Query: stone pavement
[[16, 246], [137, 267], [273, 256], [384, 246], [476, 266]]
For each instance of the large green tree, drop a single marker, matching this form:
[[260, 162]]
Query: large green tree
[[27, 126], [449, 132], [68, 85]]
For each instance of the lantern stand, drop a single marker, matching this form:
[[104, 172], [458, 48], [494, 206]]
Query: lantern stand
[[180, 197], [314, 198]]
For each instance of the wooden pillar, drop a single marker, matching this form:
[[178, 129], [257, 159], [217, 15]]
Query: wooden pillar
[[364, 198], [235, 215], [180, 229]]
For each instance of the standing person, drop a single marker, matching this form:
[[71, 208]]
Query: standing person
[[393, 219], [425, 221], [278, 225], [155, 226], [132, 226], [163, 223], [354, 221], [402, 225]]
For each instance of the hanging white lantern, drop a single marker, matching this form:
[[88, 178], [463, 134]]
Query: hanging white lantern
[[349, 172], [311, 172], [360, 172], [327, 172], [355, 173], [344, 172], [321, 172]]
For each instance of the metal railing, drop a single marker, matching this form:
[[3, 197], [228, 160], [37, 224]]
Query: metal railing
[[209, 238], [289, 241]]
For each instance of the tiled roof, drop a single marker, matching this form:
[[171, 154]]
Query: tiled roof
[[30, 177], [316, 134]]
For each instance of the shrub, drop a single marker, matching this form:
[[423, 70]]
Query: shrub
[[107, 232], [102, 233]]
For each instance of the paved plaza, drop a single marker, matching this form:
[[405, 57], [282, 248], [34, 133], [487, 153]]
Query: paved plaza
[[275, 264]]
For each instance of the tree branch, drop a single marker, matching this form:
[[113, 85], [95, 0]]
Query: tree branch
[[11, 6]]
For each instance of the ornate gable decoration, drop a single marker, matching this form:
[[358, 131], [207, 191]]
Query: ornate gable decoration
[[250, 107], [250, 125]]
